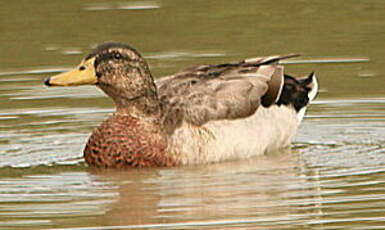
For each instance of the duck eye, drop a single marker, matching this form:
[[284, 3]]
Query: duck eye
[[117, 56], [81, 68]]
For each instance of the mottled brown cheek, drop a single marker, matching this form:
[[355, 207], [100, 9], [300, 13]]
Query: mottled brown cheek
[[122, 141]]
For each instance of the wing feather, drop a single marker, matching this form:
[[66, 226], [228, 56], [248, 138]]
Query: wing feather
[[205, 93]]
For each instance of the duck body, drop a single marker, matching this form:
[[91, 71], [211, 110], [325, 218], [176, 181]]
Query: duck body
[[234, 139], [203, 114]]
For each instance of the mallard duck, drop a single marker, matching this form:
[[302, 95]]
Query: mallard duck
[[203, 114]]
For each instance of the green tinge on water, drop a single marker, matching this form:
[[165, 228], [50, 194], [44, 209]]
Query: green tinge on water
[[332, 178]]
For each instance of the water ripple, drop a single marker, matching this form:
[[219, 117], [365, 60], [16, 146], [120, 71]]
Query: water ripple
[[132, 5]]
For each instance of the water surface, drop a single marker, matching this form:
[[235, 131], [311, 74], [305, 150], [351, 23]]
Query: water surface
[[332, 178]]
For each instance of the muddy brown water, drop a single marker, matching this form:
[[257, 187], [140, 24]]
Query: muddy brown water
[[333, 177]]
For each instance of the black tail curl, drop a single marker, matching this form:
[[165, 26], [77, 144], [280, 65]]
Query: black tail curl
[[295, 91]]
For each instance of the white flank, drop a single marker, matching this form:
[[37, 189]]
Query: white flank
[[267, 130]]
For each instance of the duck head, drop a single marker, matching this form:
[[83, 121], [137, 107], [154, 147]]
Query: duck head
[[298, 92], [117, 69]]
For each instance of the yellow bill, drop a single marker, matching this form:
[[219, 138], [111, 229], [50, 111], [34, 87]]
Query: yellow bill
[[84, 74]]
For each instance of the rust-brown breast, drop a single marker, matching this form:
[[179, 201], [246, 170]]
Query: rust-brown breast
[[124, 141]]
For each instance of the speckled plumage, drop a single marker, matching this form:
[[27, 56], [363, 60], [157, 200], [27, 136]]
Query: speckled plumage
[[192, 117], [122, 141]]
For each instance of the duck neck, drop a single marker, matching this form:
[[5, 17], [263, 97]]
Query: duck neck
[[143, 107]]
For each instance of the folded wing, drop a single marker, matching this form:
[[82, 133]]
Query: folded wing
[[205, 93]]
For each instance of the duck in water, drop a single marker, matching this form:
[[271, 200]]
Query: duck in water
[[200, 115]]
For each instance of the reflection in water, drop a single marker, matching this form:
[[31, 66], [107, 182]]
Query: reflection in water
[[267, 190], [275, 191]]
